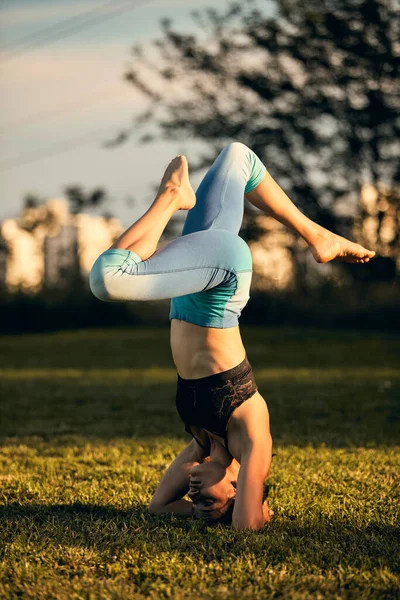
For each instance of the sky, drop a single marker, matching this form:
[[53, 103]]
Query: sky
[[73, 90]]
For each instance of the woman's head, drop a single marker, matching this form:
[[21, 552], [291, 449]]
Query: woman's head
[[212, 489]]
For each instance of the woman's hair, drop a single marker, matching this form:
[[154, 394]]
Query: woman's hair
[[223, 514]]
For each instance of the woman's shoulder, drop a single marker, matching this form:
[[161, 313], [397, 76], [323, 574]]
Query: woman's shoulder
[[249, 423]]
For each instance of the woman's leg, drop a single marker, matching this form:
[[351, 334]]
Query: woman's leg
[[218, 203], [324, 244], [238, 171], [131, 270], [209, 250], [175, 193], [220, 197]]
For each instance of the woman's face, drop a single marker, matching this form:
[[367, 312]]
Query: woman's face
[[210, 486]]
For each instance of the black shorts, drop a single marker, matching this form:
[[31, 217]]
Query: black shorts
[[208, 402]]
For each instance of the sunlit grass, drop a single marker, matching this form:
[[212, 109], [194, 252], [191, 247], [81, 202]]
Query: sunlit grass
[[157, 375], [88, 425]]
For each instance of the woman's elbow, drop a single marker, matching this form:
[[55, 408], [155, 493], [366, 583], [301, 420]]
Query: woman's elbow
[[254, 524], [155, 509]]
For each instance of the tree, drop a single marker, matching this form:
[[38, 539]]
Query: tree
[[80, 200], [312, 90], [35, 213]]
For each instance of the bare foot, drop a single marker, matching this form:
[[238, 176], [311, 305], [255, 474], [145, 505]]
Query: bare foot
[[328, 246], [176, 179]]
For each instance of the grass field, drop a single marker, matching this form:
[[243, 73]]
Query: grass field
[[88, 425]]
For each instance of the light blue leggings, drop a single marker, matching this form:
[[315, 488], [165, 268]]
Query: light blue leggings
[[207, 271]]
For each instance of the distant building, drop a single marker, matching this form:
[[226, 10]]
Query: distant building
[[61, 258], [47, 247]]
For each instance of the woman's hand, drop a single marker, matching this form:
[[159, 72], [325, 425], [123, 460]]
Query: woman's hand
[[168, 497], [267, 512]]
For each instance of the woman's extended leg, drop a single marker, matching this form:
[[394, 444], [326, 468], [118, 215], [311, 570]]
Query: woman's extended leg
[[238, 171], [324, 244]]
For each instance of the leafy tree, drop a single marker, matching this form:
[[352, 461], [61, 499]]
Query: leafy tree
[[312, 89], [80, 200], [32, 200], [34, 213]]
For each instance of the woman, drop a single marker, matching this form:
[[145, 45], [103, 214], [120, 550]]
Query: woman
[[207, 273]]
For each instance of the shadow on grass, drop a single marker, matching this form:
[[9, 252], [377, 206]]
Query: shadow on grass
[[323, 542]]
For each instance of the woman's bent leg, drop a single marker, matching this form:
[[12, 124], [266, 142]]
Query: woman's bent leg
[[175, 193], [194, 263], [197, 261], [220, 196]]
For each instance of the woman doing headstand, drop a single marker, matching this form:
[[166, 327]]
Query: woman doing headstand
[[207, 273]]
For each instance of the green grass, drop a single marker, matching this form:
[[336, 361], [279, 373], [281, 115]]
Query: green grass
[[88, 425]]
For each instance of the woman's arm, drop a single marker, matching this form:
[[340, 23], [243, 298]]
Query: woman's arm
[[254, 444], [168, 497], [249, 512]]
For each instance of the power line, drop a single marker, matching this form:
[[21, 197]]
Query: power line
[[46, 114], [64, 146], [52, 150], [31, 37], [81, 24], [36, 38]]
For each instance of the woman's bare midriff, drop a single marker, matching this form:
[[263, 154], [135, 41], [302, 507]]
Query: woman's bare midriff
[[203, 351]]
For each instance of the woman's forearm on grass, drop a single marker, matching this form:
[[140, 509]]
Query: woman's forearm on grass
[[248, 512], [181, 508], [174, 484]]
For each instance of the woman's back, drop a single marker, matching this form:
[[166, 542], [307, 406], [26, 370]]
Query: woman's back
[[202, 351]]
